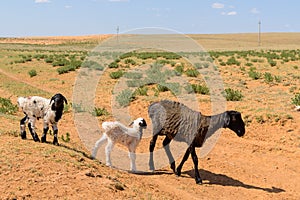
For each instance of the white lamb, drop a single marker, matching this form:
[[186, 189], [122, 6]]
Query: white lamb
[[115, 132]]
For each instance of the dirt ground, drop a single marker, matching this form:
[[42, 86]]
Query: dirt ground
[[264, 164]]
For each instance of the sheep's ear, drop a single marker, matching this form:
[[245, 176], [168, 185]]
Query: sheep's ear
[[65, 100], [52, 99], [227, 120], [131, 124]]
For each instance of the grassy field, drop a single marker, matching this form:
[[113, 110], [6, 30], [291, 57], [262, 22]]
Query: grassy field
[[262, 82]]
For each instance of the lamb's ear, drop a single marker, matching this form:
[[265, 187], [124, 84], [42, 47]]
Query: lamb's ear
[[143, 123], [131, 124]]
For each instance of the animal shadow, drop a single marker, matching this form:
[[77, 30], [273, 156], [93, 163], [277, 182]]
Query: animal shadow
[[224, 180]]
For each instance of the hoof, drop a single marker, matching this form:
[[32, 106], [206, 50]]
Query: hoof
[[151, 168], [199, 182], [23, 135], [55, 143], [43, 139], [178, 173], [172, 166]]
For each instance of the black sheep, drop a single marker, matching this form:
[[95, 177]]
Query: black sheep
[[177, 121]]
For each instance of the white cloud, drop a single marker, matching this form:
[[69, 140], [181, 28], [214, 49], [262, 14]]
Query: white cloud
[[42, 1], [229, 13], [217, 5], [232, 13], [254, 11], [68, 6]]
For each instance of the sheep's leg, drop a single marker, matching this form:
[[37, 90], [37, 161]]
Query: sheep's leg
[[55, 132], [31, 126], [151, 148], [195, 160], [185, 157], [98, 144], [23, 127], [132, 157], [45, 130], [108, 150], [166, 145]]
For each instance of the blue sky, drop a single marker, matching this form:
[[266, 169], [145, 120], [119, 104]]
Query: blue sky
[[85, 17]]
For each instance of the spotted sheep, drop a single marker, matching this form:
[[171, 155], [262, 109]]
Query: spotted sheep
[[35, 108]]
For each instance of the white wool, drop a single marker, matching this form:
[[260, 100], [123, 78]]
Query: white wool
[[116, 132], [37, 107]]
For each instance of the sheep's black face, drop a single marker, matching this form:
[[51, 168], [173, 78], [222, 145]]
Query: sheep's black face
[[58, 101], [235, 123]]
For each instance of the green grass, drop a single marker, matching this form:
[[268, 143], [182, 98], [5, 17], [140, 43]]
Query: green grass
[[233, 95], [125, 97], [100, 112], [296, 99], [192, 72], [32, 73], [116, 75], [7, 107]]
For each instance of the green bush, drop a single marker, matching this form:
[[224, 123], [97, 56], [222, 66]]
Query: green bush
[[233, 61], [272, 62], [49, 60], [277, 79], [268, 77], [254, 74], [200, 89], [249, 64], [162, 88], [76, 63], [233, 95], [130, 61], [100, 112], [125, 97], [6, 106], [32, 73], [67, 139], [65, 69], [113, 65], [179, 69], [141, 91], [116, 75], [192, 73], [296, 99], [60, 62]]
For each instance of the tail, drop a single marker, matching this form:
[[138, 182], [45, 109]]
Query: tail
[[109, 125], [98, 144]]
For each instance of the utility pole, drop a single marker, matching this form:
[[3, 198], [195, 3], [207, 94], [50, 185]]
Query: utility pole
[[259, 26], [118, 34]]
